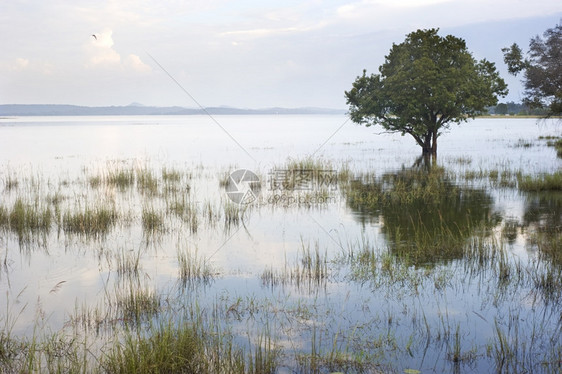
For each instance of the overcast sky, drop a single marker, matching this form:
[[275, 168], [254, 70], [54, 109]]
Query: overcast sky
[[244, 53]]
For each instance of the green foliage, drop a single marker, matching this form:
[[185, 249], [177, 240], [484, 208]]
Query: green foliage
[[426, 83], [543, 182], [90, 222], [426, 217], [166, 350], [543, 72]]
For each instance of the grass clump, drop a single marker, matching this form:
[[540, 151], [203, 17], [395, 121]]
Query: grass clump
[[543, 182], [152, 221], [121, 178], [186, 210], [310, 270], [193, 269], [90, 221], [147, 182], [137, 303], [164, 350], [232, 214], [171, 175], [26, 220]]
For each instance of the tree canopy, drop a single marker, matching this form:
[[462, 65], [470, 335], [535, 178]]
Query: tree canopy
[[426, 83], [542, 70]]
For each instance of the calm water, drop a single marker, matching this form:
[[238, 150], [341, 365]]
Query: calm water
[[57, 274]]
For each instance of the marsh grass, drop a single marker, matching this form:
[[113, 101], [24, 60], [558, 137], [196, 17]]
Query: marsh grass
[[10, 183], [27, 220], [128, 262], [186, 209], [554, 141], [542, 182], [233, 214], [193, 269], [308, 172], [549, 243], [423, 260], [137, 303], [147, 182], [188, 347], [310, 270], [152, 221], [426, 217], [120, 178], [97, 221], [170, 175], [164, 349]]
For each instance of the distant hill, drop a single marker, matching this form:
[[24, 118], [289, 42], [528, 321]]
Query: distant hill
[[138, 109]]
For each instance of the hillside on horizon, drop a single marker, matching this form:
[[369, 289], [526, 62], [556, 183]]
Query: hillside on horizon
[[139, 109]]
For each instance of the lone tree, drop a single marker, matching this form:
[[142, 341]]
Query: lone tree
[[543, 70], [425, 84]]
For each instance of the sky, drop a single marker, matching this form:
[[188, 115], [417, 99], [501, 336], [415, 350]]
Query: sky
[[244, 53]]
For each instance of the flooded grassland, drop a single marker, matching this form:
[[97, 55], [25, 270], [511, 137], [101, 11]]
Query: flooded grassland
[[129, 245]]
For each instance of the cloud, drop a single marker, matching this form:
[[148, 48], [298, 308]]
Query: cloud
[[134, 62], [103, 39], [102, 54], [100, 50], [21, 63]]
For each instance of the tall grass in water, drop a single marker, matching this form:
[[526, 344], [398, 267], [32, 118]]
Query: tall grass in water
[[135, 303], [90, 221], [120, 178], [171, 175], [193, 269], [186, 348], [147, 182], [233, 214], [543, 182], [426, 217], [185, 209], [128, 262], [310, 270], [26, 220], [163, 349], [152, 221]]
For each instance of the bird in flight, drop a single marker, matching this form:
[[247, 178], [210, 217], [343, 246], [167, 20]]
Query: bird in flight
[[95, 37]]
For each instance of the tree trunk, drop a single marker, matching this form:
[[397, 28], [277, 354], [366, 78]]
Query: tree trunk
[[429, 146], [434, 145], [427, 149]]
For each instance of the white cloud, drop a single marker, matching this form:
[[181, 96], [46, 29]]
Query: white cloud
[[293, 52], [100, 50], [21, 63], [103, 39], [135, 62]]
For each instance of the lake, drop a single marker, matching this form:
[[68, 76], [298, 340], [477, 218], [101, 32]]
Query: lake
[[349, 253]]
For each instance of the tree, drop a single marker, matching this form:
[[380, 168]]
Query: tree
[[542, 69], [501, 109], [425, 84]]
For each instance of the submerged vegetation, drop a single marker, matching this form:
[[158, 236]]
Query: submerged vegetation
[[429, 271], [426, 217]]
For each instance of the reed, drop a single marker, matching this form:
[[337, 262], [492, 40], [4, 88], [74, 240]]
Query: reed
[[542, 182], [152, 221], [233, 214], [193, 269], [171, 175], [90, 221], [310, 270], [136, 303], [120, 178]]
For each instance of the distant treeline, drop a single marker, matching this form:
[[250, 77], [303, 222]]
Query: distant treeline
[[516, 109], [74, 110]]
